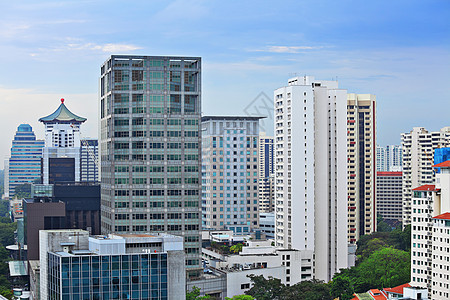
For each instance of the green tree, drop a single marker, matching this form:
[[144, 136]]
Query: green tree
[[265, 289], [240, 297], [341, 286], [23, 191], [194, 294], [310, 289], [372, 246], [236, 248], [386, 267]]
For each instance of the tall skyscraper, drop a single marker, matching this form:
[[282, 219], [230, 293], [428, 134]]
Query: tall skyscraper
[[24, 166], [311, 171], [266, 173], [418, 157], [394, 158], [230, 173], [361, 152], [150, 148]]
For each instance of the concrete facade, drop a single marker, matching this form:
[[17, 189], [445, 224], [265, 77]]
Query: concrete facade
[[311, 171], [389, 195], [361, 152]]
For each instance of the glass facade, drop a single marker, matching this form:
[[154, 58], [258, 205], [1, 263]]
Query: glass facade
[[25, 161], [126, 276], [150, 148]]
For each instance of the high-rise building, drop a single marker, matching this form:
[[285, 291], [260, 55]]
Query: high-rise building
[[266, 174], [389, 196], [394, 158], [74, 265], [381, 159], [311, 171], [418, 157], [24, 166], [361, 152], [429, 234], [150, 148], [67, 157], [230, 173]]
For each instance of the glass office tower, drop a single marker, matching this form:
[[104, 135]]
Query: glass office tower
[[150, 148]]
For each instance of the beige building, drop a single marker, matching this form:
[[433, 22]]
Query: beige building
[[418, 157], [361, 157], [266, 174], [230, 173]]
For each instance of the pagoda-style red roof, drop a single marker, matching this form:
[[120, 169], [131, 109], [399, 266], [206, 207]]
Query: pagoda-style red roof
[[426, 187], [444, 216], [445, 164]]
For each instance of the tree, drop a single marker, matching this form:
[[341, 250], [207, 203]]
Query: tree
[[310, 289], [194, 294], [23, 191], [236, 248], [386, 267], [341, 286], [265, 289], [240, 297]]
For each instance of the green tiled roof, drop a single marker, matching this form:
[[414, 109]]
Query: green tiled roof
[[62, 114]]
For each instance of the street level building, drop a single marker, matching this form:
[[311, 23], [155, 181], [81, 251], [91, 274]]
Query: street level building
[[150, 113]]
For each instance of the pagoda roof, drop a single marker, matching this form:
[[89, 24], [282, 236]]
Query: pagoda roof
[[62, 114]]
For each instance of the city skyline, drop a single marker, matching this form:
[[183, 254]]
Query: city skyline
[[52, 50]]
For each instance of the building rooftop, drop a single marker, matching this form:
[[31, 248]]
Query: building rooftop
[[444, 216], [389, 173], [426, 187], [62, 114], [445, 164], [233, 118], [398, 289]]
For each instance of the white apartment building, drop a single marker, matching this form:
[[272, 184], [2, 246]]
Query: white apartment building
[[311, 171], [266, 173], [394, 158], [430, 262], [361, 163], [230, 173], [418, 157], [440, 260], [381, 164]]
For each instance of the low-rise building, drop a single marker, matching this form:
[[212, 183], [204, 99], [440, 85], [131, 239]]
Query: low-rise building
[[74, 265]]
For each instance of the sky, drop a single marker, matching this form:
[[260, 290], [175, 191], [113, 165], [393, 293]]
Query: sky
[[398, 50]]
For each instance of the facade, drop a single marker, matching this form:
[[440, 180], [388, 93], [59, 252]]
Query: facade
[[267, 224], [361, 152], [440, 276], [266, 174], [64, 157], [389, 196], [61, 206], [429, 234], [381, 159], [76, 266], [230, 173], [24, 166], [311, 171], [394, 158], [150, 112], [89, 160], [418, 151]]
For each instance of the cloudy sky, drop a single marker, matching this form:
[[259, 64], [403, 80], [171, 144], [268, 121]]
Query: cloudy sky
[[398, 50]]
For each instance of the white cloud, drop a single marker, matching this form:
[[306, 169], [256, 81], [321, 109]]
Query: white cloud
[[286, 49]]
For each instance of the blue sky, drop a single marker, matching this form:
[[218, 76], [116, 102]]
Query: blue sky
[[397, 50]]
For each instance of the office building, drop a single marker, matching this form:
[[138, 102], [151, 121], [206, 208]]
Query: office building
[[150, 112], [143, 266], [430, 207], [361, 152], [60, 206], [418, 157], [266, 174], [230, 173], [311, 171], [24, 166], [389, 197], [64, 157]]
